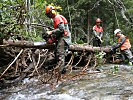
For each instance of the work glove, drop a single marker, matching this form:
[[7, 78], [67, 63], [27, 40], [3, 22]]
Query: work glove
[[49, 32], [100, 39], [47, 35], [114, 47], [113, 50]]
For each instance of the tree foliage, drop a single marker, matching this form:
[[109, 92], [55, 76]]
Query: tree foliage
[[16, 17]]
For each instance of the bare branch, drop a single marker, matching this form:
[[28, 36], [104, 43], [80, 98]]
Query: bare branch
[[12, 63]]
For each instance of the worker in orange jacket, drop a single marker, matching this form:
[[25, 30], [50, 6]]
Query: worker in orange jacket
[[124, 45], [61, 35], [98, 33]]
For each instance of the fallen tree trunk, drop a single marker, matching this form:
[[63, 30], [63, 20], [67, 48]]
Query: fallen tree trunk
[[27, 44], [44, 45], [89, 48]]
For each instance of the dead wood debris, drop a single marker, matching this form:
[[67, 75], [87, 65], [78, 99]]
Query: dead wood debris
[[30, 62]]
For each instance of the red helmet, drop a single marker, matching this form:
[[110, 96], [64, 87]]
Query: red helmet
[[98, 20], [50, 11]]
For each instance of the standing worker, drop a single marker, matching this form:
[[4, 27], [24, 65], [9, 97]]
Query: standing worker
[[98, 33], [60, 35], [124, 45]]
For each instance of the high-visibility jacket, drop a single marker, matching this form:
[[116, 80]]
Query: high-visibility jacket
[[98, 28], [59, 19], [126, 45]]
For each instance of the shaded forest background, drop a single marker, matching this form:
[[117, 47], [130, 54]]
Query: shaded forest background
[[25, 19]]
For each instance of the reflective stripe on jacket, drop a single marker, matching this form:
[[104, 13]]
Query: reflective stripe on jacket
[[126, 45]]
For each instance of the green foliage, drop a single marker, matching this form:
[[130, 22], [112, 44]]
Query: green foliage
[[81, 15], [115, 69], [99, 57], [10, 19], [37, 38], [79, 41]]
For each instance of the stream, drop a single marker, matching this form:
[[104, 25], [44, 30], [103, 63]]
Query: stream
[[112, 82]]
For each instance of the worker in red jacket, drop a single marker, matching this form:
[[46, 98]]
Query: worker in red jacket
[[98, 33], [124, 45], [61, 35]]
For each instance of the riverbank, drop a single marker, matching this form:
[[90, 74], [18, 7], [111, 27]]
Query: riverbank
[[113, 82]]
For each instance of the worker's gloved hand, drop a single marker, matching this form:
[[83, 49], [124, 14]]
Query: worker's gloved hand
[[49, 32], [100, 39], [47, 35], [112, 50]]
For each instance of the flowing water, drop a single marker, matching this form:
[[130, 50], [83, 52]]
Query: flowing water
[[113, 82]]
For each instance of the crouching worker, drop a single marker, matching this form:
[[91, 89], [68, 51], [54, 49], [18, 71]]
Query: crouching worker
[[124, 45], [61, 36]]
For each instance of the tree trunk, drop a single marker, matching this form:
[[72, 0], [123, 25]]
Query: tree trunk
[[28, 44], [88, 27], [28, 18], [44, 45], [89, 48], [1, 41]]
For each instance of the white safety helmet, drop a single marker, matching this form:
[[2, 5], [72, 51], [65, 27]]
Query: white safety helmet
[[116, 31]]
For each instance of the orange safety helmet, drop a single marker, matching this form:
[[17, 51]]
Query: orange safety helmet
[[98, 20], [50, 11]]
